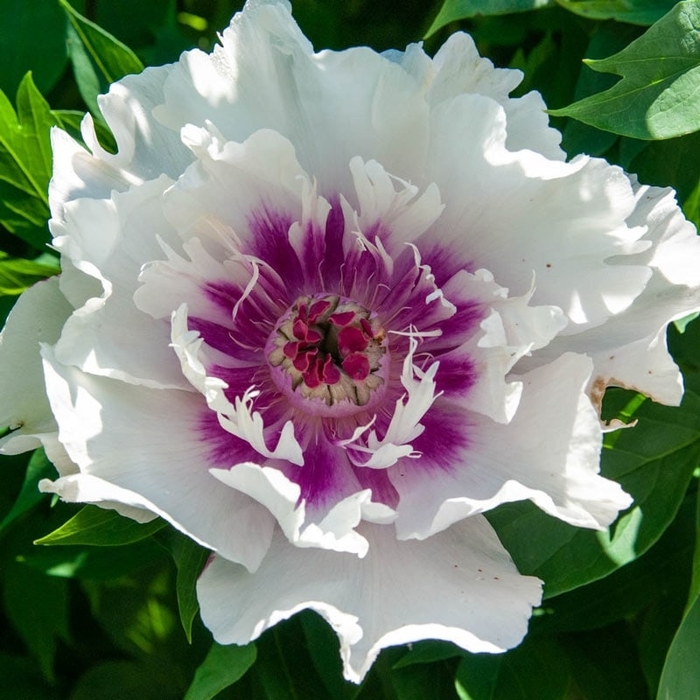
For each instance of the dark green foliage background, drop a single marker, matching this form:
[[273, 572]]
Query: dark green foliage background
[[103, 609]]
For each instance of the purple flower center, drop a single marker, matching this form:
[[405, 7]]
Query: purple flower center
[[330, 350]]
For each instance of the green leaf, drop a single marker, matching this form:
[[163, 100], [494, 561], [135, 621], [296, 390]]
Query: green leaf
[[420, 681], [190, 559], [94, 563], [30, 42], [39, 468], [122, 680], [37, 606], [662, 572], [605, 664], [70, 120], [322, 644], [653, 462], [222, 667], [453, 10], [681, 675], [428, 651], [643, 12], [98, 526], [695, 577], [98, 58], [25, 164], [135, 611], [659, 94], [535, 669], [16, 274], [22, 680]]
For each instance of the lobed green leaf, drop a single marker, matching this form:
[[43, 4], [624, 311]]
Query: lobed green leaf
[[659, 94]]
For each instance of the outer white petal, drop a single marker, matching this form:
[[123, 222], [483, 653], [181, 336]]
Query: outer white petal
[[86, 488], [36, 318], [151, 456], [77, 174], [458, 69], [146, 148], [395, 595], [549, 453], [516, 214], [630, 350], [265, 75]]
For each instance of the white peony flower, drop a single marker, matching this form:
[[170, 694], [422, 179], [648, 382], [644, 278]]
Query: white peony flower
[[322, 311]]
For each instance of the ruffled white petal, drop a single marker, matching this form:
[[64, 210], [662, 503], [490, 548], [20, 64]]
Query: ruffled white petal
[[549, 453], [511, 330], [146, 442], [335, 531], [516, 214], [109, 240], [395, 595], [388, 205], [630, 349], [457, 69], [315, 100]]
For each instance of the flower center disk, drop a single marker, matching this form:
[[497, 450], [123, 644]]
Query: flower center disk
[[329, 355]]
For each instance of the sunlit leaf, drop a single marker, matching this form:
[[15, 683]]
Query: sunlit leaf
[[94, 563], [453, 10], [16, 274], [662, 572], [222, 667], [25, 163], [98, 526], [659, 94], [632, 11], [654, 462]]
